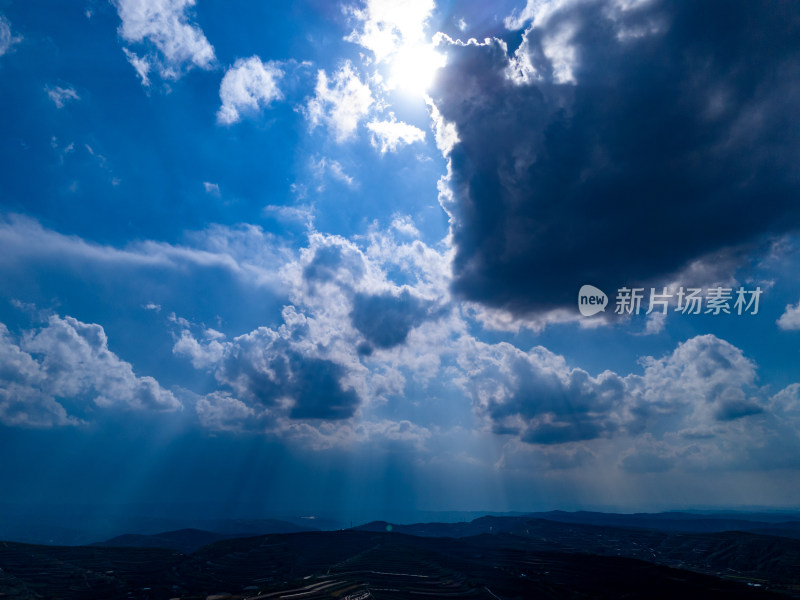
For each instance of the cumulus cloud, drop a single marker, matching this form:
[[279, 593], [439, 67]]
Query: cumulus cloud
[[165, 24], [535, 395], [392, 134], [790, 319], [340, 103], [343, 308], [266, 369], [61, 95], [68, 362], [369, 323], [386, 319], [222, 412], [617, 145], [698, 407], [704, 380], [247, 86]]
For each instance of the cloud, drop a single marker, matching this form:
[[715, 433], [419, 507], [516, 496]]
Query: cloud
[[165, 24], [222, 412], [386, 25], [704, 380], [790, 319], [211, 188], [405, 225], [7, 39], [245, 251], [247, 86], [535, 396], [389, 135], [68, 362], [320, 166], [60, 96], [368, 326], [538, 398], [265, 369], [339, 103], [445, 135], [386, 319], [141, 64], [595, 151], [379, 433], [302, 213], [342, 308], [656, 322]]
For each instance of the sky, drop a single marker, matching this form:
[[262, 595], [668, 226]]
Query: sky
[[328, 256]]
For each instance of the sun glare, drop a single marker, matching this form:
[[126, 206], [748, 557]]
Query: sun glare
[[413, 68]]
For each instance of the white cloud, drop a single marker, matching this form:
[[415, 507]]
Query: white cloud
[[386, 25], [165, 23], [247, 86], [302, 213], [321, 166], [790, 319], [245, 251], [537, 11], [60, 95], [202, 355], [444, 132], [341, 302], [656, 322], [339, 103], [67, 361], [405, 225], [7, 39], [211, 188], [141, 64], [222, 412], [389, 135], [557, 46]]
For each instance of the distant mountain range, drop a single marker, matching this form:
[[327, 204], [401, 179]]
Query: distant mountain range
[[550, 561], [783, 524], [551, 555], [189, 540], [32, 530]]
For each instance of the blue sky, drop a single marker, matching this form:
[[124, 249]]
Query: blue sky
[[327, 255]]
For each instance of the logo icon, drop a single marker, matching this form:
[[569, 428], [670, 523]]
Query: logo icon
[[591, 300]]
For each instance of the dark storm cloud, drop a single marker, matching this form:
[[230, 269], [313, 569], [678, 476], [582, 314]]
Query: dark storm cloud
[[385, 319], [619, 144]]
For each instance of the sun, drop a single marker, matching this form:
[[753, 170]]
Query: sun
[[413, 68]]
